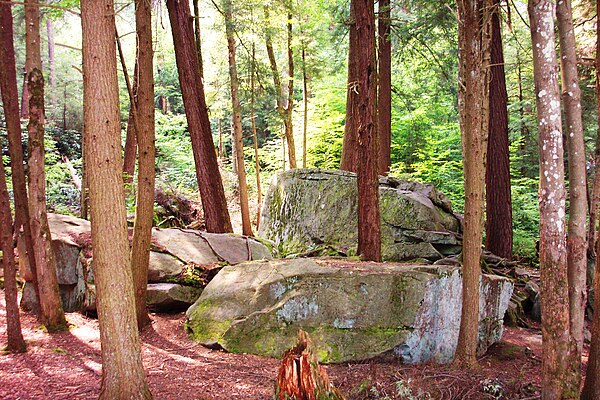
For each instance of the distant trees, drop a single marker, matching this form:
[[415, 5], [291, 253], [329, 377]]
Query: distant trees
[[122, 370], [236, 115], [210, 184], [474, 35], [284, 92]]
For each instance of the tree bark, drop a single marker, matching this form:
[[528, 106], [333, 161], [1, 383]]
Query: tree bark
[[254, 135], [8, 88], [591, 387], [576, 240], [498, 225], [198, 37], [15, 342], [369, 235], [210, 184], [349, 159], [236, 116], [130, 149], [285, 104], [122, 370], [474, 32], [51, 63], [51, 310], [556, 369], [144, 205], [384, 102], [305, 100]]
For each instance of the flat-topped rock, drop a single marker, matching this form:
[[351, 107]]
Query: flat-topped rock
[[308, 208], [352, 311]]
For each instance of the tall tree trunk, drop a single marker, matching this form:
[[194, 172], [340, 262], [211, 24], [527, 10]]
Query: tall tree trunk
[[553, 247], [305, 99], [576, 242], [591, 387], [285, 104], [384, 103], [15, 343], [498, 226], [474, 31], [210, 184], [122, 370], [349, 159], [51, 63], [254, 135], [51, 310], [369, 235], [8, 88], [198, 37], [24, 96], [236, 116], [144, 205]]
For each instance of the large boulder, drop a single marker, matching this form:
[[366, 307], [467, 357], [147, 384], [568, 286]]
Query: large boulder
[[181, 257], [307, 208], [352, 311]]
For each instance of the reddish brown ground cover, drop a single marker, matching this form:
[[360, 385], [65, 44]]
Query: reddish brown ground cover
[[68, 366]]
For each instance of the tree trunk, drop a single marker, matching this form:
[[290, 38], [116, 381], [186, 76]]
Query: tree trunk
[[591, 387], [369, 235], [384, 102], [474, 32], [210, 184], [130, 152], [236, 116], [553, 247], [254, 135], [576, 242], [349, 159], [9, 91], [498, 226], [305, 99], [284, 104], [24, 96], [15, 343], [51, 63], [51, 310], [198, 37], [122, 370], [144, 205]]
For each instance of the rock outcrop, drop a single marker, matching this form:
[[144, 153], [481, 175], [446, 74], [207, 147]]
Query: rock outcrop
[[308, 208], [181, 262], [352, 311]]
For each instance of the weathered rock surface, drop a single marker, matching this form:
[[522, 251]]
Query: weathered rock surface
[[171, 296], [175, 252], [352, 312], [306, 208]]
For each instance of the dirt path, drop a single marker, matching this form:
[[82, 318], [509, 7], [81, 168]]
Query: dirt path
[[68, 366]]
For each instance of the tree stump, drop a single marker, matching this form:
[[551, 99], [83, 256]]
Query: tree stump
[[301, 377]]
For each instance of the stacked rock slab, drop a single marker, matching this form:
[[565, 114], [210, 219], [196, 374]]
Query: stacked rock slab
[[174, 252], [352, 311], [308, 208]]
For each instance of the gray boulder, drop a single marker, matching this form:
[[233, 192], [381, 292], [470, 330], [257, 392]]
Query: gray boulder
[[175, 254], [307, 208], [352, 311], [171, 296]]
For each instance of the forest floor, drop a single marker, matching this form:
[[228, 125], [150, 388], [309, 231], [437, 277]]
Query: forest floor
[[68, 366]]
